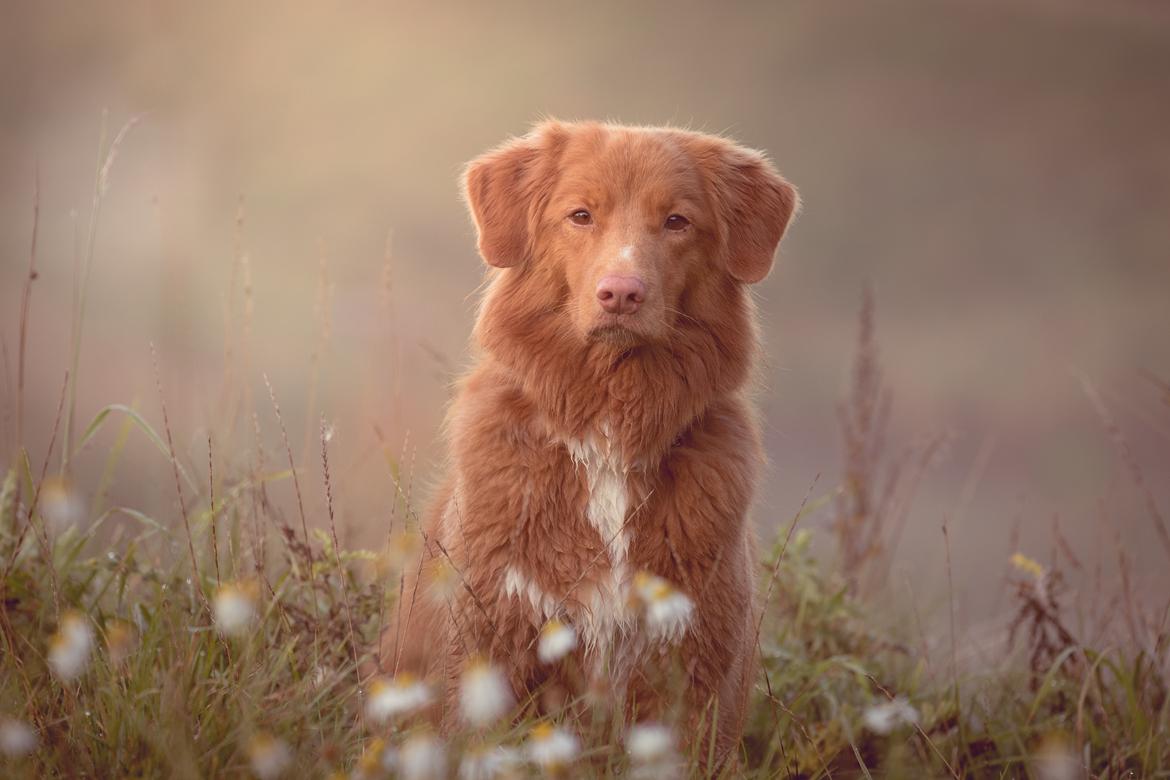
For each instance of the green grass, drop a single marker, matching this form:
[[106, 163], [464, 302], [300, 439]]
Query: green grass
[[188, 701]]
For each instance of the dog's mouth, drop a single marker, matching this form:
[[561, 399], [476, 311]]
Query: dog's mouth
[[619, 329]]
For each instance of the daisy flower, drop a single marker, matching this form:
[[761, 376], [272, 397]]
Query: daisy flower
[[61, 506], [422, 758], [17, 738], [884, 718], [1056, 760], [377, 759], [268, 756], [487, 763], [235, 607], [551, 748], [649, 742], [651, 747], [556, 641], [485, 695], [120, 641], [400, 696], [667, 611], [401, 548], [70, 647], [444, 580]]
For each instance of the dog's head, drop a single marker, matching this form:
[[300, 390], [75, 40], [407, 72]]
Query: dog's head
[[624, 229]]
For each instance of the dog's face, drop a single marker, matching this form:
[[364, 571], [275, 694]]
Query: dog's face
[[627, 223]]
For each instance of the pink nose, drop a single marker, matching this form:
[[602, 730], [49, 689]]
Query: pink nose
[[621, 294]]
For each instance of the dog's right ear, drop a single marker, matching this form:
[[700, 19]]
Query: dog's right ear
[[506, 190]]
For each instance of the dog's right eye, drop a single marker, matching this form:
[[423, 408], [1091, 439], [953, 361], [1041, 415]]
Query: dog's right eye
[[581, 217]]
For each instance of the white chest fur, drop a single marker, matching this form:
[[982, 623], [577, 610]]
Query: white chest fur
[[609, 498], [606, 614], [609, 501]]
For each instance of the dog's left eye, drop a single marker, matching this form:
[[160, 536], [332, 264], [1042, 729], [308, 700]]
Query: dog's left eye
[[677, 222], [581, 217]]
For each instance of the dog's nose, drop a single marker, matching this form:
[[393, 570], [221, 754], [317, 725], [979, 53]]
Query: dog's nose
[[621, 294]]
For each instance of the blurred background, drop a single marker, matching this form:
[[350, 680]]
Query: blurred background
[[286, 204]]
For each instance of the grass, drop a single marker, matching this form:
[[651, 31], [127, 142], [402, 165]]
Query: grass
[[227, 639]]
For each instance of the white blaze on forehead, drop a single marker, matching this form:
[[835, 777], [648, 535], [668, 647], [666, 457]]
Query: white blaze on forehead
[[627, 252]]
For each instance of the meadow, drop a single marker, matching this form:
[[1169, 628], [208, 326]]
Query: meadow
[[233, 634]]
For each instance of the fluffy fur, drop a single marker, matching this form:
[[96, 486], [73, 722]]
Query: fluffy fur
[[588, 445]]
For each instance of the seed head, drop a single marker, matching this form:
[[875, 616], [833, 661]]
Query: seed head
[[1027, 565]]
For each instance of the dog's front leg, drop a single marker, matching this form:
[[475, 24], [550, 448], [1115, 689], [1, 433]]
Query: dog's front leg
[[697, 535]]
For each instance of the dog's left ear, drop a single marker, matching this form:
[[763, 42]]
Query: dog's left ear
[[754, 202], [506, 189]]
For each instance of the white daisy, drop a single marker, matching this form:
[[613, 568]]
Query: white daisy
[[1056, 760], [400, 696], [120, 641], [649, 742], [489, 763], [61, 506], [70, 647], [668, 611], [17, 738], [235, 607], [268, 756], [402, 547], [651, 747], [551, 748], [444, 581], [377, 759], [556, 641], [484, 694], [422, 758], [884, 718], [389, 759]]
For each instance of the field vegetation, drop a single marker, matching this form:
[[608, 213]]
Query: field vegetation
[[233, 636]]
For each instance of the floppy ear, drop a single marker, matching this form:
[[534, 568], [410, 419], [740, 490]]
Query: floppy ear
[[506, 189], [755, 205]]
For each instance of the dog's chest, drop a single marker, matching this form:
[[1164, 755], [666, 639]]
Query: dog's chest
[[609, 496], [599, 607], [606, 610]]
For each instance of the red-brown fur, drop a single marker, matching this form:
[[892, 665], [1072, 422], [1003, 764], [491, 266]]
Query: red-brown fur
[[663, 387]]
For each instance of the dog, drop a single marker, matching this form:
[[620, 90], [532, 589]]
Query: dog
[[603, 446]]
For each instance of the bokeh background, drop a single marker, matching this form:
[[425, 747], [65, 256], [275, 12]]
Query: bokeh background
[[999, 173]]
